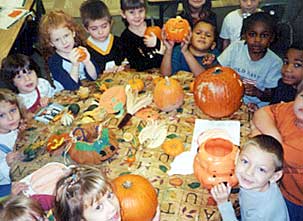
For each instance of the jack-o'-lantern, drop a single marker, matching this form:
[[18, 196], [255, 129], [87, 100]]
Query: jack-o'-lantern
[[215, 162], [153, 29], [218, 92], [176, 29]]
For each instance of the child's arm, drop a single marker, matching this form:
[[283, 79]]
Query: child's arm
[[89, 66], [166, 64], [225, 43], [252, 90]]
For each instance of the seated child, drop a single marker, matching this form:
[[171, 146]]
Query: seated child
[[20, 71], [105, 49], [257, 65], [190, 54], [292, 75], [232, 23], [284, 121], [142, 51], [258, 169], [60, 38]]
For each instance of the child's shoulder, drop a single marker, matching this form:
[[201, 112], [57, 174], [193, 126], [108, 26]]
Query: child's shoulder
[[234, 14]]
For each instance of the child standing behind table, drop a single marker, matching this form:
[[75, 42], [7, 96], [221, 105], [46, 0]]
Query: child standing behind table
[[142, 51], [232, 23], [258, 66], [59, 38], [105, 48]]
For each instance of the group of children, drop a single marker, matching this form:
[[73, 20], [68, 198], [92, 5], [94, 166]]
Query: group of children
[[246, 35]]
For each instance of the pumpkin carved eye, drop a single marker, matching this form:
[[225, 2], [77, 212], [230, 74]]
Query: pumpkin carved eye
[[103, 153]]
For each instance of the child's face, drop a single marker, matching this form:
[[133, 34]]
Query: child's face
[[9, 117], [249, 6], [197, 4], [203, 37], [255, 168], [99, 29], [292, 70], [107, 209], [26, 81], [135, 17], [298, 106], [62, 39]]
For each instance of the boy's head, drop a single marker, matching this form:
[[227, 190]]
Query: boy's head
[[133, 12], [260, 163], [249, 6], [292, 69]]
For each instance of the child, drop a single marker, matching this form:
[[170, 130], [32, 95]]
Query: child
[[142, 51], [258, 169], [20, 71], [232, 23], [195, 10], [284, 121], [10, 122], [105, 48], [59, 37], [21, 208], [189, 56], [257, 65], [292, 75]]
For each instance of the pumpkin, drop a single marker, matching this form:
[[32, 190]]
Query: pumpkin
[[218, 92], [173, 147], [147, 113], [215, 162], [83, 92], [56, 141], [191, 86], [113, 99], [176, 29], [168, 94], [136, 84], [137, 197], [82, 54], [154, 29]]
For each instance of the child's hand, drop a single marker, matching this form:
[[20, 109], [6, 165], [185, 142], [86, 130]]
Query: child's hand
[[44, 101], [74, 56], [12, 157], [22, 125], [252, 107], [220, 193], [114, 69], [17, 187], [169, 45], [185, 43], [208, 59], [251, 90], [150, 40]]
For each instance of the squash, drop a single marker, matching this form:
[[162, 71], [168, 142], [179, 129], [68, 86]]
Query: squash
[[218, 92], [168, 94], [154, 29], [74, 108], [137, 197], [176, 29], [83, 92], [173, 147], [136, 84]]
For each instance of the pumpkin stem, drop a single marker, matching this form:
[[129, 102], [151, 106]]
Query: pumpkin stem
[[127, 184], [167, 81]]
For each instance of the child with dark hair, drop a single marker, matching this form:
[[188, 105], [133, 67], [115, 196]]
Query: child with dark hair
[[259, 167], [292, 75], [257, 65], [142, 51], [105, 48]]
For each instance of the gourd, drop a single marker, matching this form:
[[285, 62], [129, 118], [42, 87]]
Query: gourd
[[136, 84], [176, 29], [74, 108], [173, 147], [154, 29], [137, 197], [218, 92]]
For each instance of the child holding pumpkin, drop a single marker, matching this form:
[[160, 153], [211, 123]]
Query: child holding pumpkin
[[142, 51], [60, 40], [258, 168], [105, 48]]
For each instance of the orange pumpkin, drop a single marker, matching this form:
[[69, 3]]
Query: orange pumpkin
[[111, 98], [137, 197], [136, 84], [218, 92], [173, 147], [215, 162], [168, 94], [176, 29], [82, 54], [153, 29]]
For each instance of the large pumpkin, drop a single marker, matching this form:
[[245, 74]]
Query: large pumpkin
[[168, 94], [176, 29], [218, 92], [215, 162], [153, 29], [137, 197]]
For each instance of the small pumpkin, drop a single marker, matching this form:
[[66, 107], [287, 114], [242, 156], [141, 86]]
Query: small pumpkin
[[156, 80], [154, 29], [176, 29], [218, 91], [137, 197], [82, 54], [83, 92], [136, 84], [168, 94], [173, 147]]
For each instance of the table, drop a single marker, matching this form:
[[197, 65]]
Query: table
[[185, 202]]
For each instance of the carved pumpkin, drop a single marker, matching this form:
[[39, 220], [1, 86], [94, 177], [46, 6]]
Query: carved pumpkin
[[137, 197], [173, 147], [218, 92], [82, 54], [136, 84], [113, 99], [153, 29], [215, 162], [176, 29], [168, 94]]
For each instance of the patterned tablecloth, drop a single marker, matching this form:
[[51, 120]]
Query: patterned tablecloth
[[188, 200]]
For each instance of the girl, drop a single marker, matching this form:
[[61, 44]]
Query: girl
[[189, 56], [59, 38], [142, 52], [21, 72]]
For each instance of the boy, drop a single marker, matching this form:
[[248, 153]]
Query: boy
[[258, 168], [104, 48]]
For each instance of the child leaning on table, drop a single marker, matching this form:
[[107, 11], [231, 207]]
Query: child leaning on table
[[259, 167], [60, 40], [284, 121], [105, 48], [21, 72], [190, 54]]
